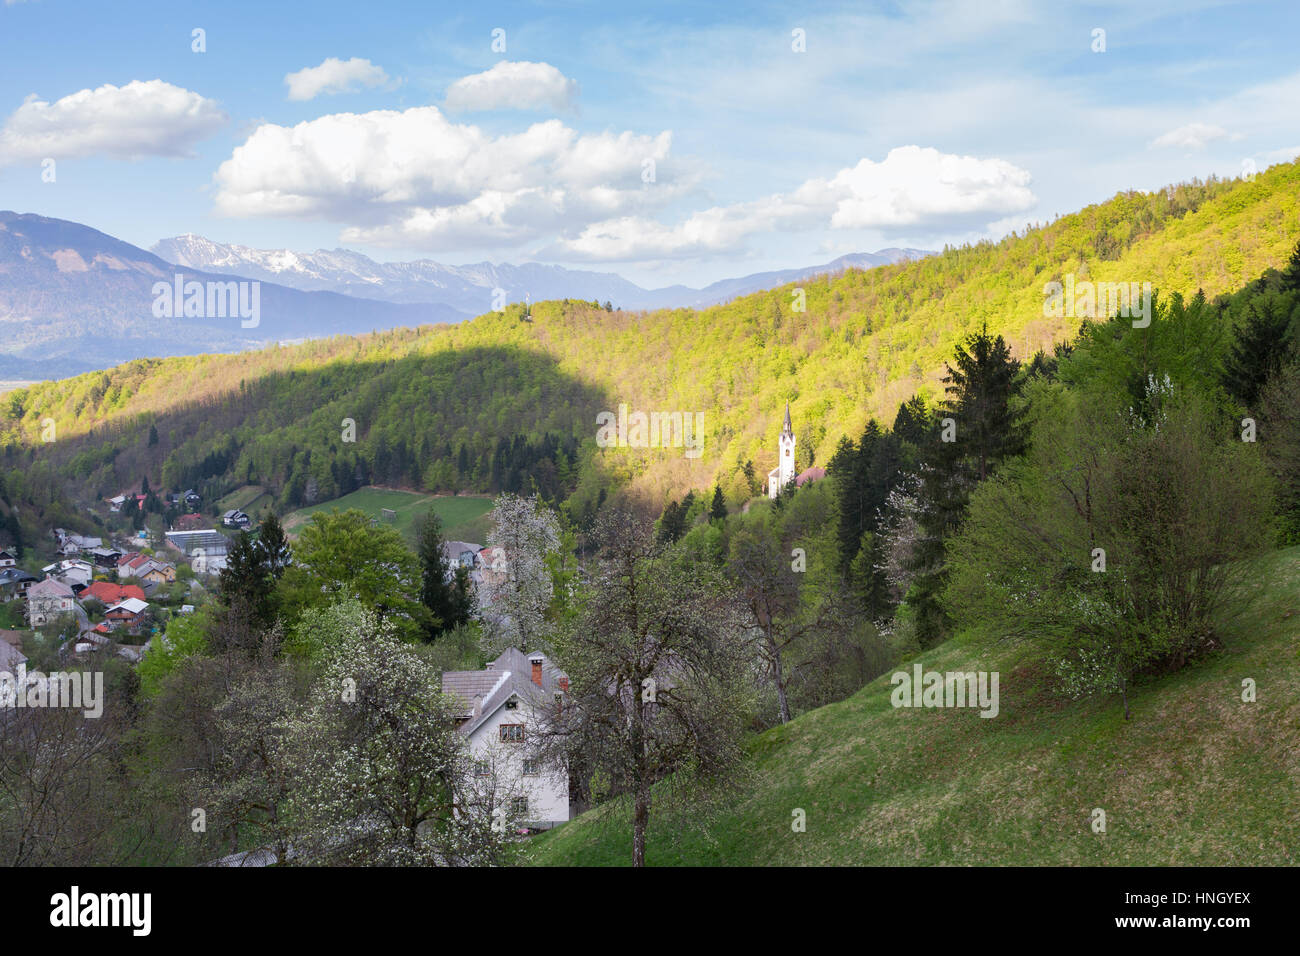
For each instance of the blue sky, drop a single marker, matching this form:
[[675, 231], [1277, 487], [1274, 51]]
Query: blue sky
[[404, 134]]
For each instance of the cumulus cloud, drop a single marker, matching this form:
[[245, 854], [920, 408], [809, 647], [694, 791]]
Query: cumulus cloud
[[1191, 136], [911, 188], [417, 179], [142, 118], [334, 76], [513, 86]]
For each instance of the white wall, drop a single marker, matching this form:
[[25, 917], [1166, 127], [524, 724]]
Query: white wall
[[548, 792]]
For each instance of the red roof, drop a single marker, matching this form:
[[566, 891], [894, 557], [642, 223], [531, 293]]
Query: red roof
[[110, 593], [810, 474]]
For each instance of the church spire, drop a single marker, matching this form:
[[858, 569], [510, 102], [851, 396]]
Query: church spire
[[788, 429]]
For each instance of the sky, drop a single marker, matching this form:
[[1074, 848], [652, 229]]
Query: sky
[[668, 142]]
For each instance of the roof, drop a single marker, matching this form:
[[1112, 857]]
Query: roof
[[456, 548], [15, 575], [10, 657], [110, 593], [810, 474], [130, 605], [49, 588], [482, 693]]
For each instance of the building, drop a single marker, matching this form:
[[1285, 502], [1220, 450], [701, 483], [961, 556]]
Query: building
[[46, 600], [462, 553], [499, 708], [128, 614], [108, 594], [7, 559], [783, 473], [206, 549], [105, 557], [157, 572], [15, 582], [190, 522], [234, 518], [71, 571], [808, 475]]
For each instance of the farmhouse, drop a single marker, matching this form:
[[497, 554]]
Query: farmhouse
[[7, 559], [46, 600], [499, 708], [234, 518]]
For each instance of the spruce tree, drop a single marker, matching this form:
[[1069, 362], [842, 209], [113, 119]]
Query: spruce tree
[[1262, 345], [437, 581], [273, 545], [245, 582], [718, 508], [978, 429]]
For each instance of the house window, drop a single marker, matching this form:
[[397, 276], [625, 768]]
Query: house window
[[519, 805], [482, 768], [512, 733], [531, 767]]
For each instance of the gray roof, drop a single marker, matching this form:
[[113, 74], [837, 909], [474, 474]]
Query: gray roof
[[481, 693], [49, 588], [10, 657]]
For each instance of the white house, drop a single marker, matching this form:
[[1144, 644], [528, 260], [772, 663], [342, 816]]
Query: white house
[[500, 708], [7, 559], [783, 473], [46, 600], [71, 571]]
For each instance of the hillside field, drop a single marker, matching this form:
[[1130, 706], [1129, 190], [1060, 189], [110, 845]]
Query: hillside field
[[1197, 777], [463, 518]]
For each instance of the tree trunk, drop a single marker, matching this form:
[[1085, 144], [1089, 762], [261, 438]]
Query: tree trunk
[[779, 676], [640, 821]]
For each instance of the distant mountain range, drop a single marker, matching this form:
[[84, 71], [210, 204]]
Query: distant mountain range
[[470, 288], [73, 299]]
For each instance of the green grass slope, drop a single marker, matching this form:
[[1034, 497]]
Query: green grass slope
[[1198, 777], [461, 515]]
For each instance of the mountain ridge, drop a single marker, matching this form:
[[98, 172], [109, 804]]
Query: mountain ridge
[[470, 287]]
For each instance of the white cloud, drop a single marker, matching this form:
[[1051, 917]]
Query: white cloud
[[1284, 155], [513, 86], [334, 76], [417, 179], [912, 187], [142, 118], [1191, 136]]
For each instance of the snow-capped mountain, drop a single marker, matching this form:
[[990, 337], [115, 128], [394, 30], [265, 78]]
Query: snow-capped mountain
[[470, 288], [73, 299]]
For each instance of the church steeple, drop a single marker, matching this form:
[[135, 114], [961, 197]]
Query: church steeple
[[783, 473]]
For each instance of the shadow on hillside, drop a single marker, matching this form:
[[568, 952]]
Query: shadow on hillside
[[481, 419]]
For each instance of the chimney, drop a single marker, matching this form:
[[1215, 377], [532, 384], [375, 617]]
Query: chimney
[[537, 671]]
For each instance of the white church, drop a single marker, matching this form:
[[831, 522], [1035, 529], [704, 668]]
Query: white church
[[783, 473]]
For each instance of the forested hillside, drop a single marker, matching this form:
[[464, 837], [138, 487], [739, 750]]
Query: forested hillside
[[508, 401]]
